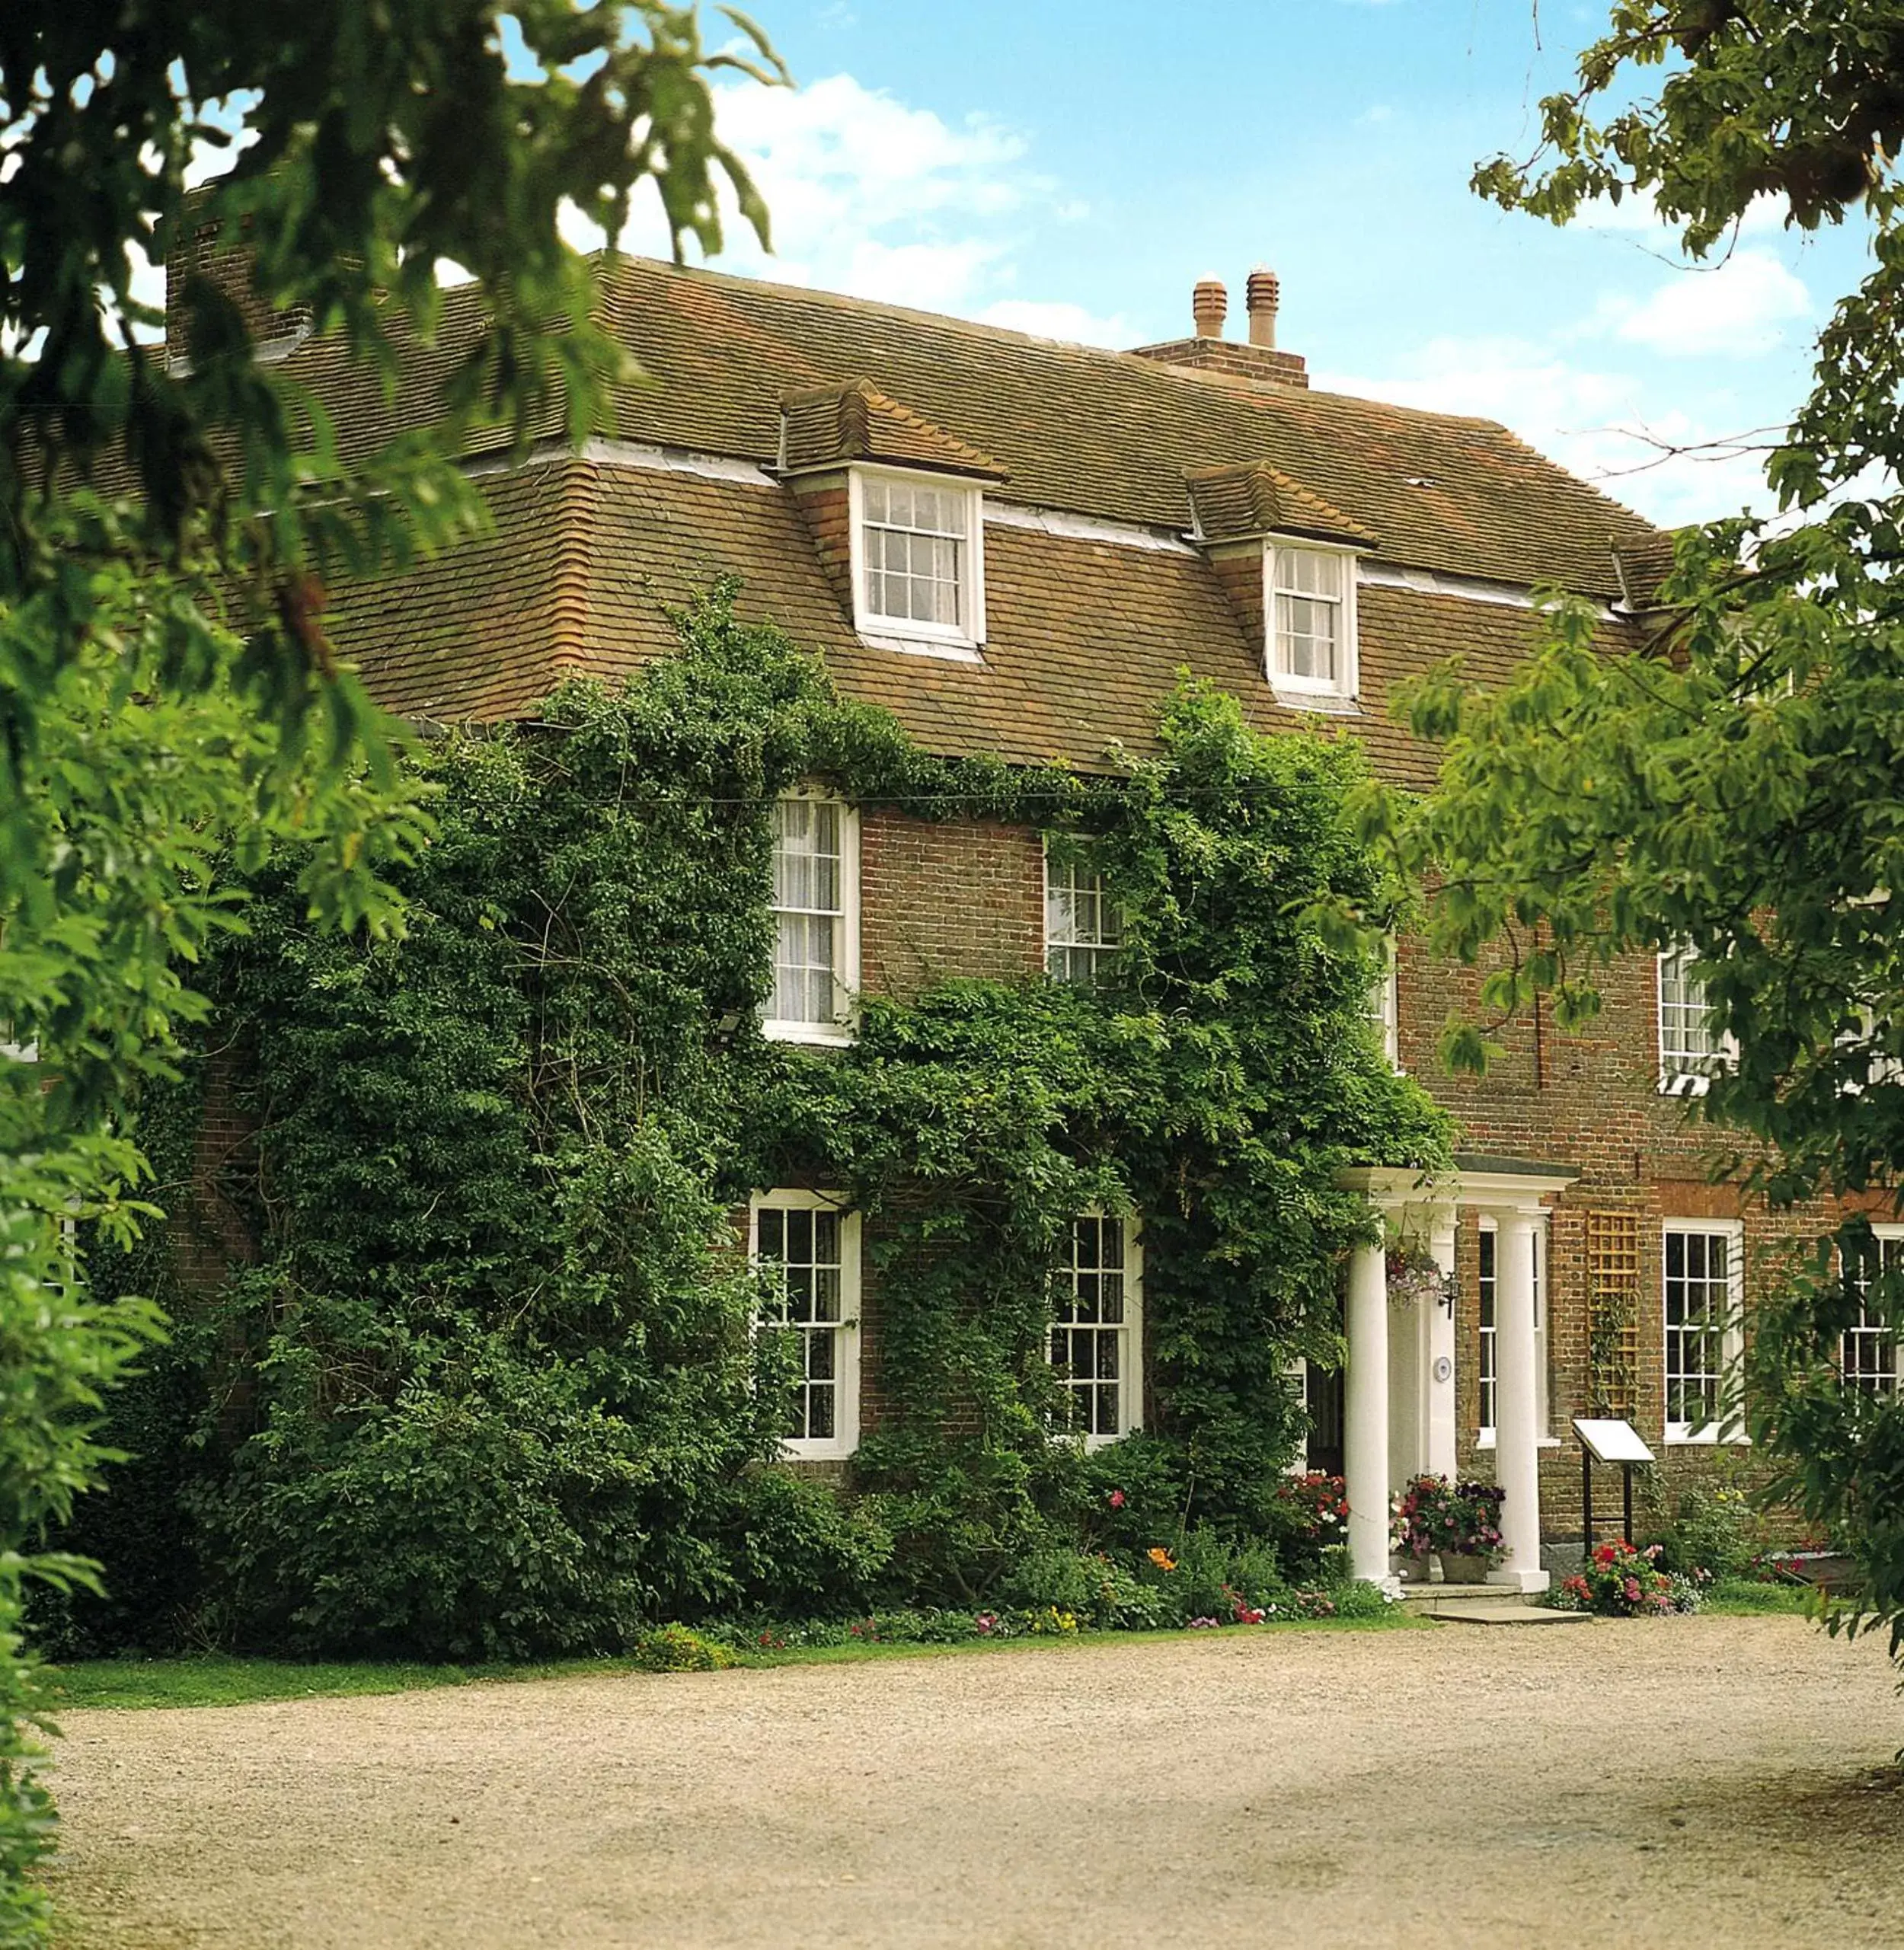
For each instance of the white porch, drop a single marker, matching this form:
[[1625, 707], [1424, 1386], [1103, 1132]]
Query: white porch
[[1398, 1400]]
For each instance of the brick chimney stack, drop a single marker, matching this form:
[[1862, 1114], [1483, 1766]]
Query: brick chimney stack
[[197, 249], [1209, 305], [1265, 292], [1209, 352]]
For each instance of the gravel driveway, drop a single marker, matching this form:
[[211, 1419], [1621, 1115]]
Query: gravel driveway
[[1696, 1782]]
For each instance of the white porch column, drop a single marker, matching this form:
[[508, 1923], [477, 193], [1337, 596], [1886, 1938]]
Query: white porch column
[[1437, 1367], [1365, 1435], [1517, 1402]]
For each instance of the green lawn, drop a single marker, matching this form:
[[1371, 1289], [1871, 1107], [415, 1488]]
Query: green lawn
[[1745, 1597], [210, 1679]]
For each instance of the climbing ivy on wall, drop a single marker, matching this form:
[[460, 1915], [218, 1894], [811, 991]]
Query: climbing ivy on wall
[[492, 1384]]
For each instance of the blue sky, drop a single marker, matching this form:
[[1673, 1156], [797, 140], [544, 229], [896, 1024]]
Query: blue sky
[[1072, 166]]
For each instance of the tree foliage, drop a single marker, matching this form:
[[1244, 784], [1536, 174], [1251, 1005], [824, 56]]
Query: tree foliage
[[499, 1390], [1727, 778], [170, 708]]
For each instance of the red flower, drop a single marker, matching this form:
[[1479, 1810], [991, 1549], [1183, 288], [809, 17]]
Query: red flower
[[1116, 1499]]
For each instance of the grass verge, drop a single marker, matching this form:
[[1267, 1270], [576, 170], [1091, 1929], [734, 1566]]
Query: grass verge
[[212, 1679], [1746, 1597]]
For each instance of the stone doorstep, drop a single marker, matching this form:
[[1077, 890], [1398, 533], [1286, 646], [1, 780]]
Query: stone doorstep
[[1483, 1604], [1474, 1611]]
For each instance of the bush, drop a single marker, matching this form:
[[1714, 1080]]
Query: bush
[[1715, 1532], [1215, 1578], [1310, 1514], [797, 1550], [677, 1648], [492, 1511], [136, 1526], [1088, 1585]]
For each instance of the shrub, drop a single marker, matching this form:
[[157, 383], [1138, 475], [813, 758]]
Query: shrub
[[678, 1648], [1714, 1531], [797, 1550], [1090, 1585], [1216, 1579], [1310, 1514]]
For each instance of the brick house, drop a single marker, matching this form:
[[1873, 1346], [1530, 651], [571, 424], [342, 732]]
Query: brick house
[[1015, 545]]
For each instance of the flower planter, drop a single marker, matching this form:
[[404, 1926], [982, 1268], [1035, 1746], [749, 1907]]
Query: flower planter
[[1458, 1568], [1410, 1569]]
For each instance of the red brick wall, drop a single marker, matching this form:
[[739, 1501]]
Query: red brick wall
[[940, 901], [1590, 1102]]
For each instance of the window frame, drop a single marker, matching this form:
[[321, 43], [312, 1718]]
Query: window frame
[[1103, 949], [842, 1028], [1487, 1373], [1715, 1434], [1676, 1079], [1890, 1243], [1294, 689], [844, 1440], [1385, 1003], [962, 640], [1130, 1378]]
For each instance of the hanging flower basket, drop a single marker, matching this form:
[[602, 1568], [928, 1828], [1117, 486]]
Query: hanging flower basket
[[1414, 1279]]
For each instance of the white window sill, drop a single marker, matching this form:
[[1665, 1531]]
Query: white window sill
[[1706, 1438], [1299, 698], [1485, 1439], [817, 1452], [829, 1035], [1693, 1084], [947, 650]]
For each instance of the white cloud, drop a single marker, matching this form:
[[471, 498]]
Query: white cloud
[[1670, 465], [1379, 112], [1637, 214], [1074, 323], [872, 197], [1739, 309]]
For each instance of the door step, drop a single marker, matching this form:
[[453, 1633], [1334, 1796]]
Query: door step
[[1481, 1604], [1502, 1611]]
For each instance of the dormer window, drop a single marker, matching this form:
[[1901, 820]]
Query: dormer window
[[1310, 613], [917, 561]]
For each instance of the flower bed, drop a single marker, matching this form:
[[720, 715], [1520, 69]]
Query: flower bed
[[1618, 1581]]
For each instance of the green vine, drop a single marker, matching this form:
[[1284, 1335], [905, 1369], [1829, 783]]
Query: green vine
[[493, 1382]]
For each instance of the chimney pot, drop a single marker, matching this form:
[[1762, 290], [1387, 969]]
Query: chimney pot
[[1209, 303], [1265, 291]]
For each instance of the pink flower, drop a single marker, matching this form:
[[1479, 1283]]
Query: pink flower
[[1116, 1499]]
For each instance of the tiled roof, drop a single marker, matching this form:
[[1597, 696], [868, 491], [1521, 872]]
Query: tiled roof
[[1100, 433], [1107, 433], [1642, 567], [826, 426], [594, 555], [1236, 504], [590, 563]]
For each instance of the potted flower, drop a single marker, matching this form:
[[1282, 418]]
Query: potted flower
[[1459, 1523], [1420, 1521], [1475, 1545]]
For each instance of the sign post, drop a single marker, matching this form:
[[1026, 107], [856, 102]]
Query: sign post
[[1607, 1442]]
